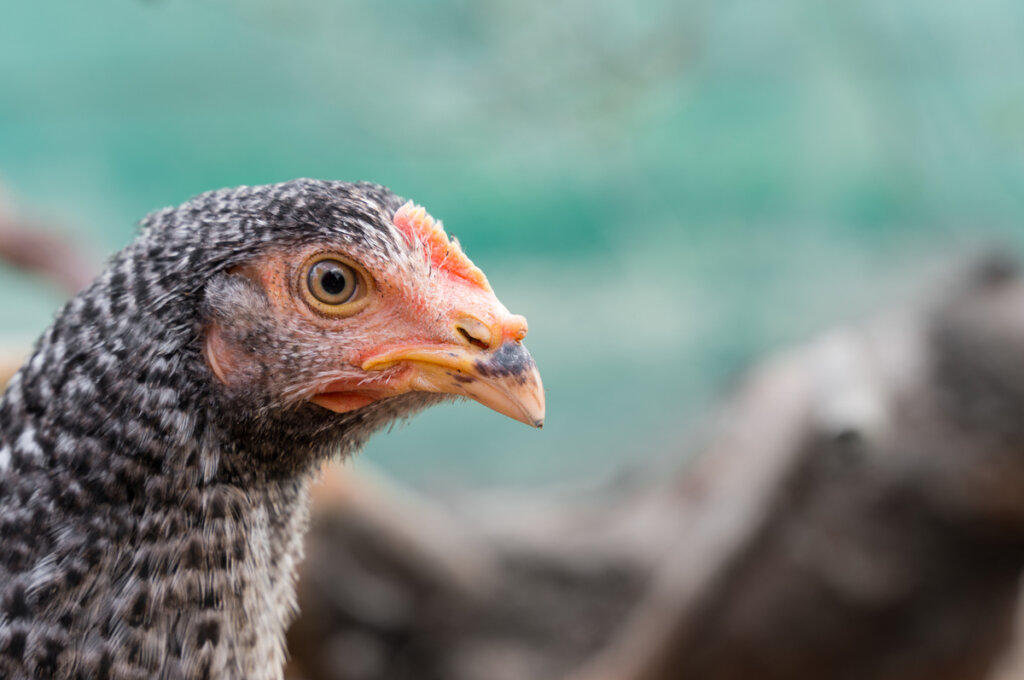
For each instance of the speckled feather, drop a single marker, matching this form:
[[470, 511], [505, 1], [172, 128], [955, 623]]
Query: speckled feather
[[150, 518]]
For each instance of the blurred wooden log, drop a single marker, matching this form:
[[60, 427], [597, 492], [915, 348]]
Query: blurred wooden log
[[394, 587], [884, 534], [1011, 666], [421, 530]]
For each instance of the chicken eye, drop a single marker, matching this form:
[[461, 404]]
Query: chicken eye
[[334, 286], [333, 282]]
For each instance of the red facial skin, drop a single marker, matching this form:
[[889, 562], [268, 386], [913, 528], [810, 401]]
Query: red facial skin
[[429, 323]]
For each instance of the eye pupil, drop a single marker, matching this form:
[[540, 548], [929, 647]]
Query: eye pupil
[[334, 282]]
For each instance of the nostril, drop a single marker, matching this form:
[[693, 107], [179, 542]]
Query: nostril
[[471, 340], [474, 333]]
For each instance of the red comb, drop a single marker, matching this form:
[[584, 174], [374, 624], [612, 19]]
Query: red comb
[[443, 253]]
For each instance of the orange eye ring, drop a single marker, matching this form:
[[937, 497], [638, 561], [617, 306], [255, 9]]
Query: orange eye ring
[[333, 285]]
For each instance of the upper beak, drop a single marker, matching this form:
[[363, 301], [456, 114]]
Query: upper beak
[[504, 379]]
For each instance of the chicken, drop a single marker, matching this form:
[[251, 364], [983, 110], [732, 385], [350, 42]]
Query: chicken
[[156, 448]]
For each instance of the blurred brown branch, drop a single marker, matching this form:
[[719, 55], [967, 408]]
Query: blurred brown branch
[[40, 249], [37, 248]]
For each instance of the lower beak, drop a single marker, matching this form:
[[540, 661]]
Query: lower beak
[[505, 379]]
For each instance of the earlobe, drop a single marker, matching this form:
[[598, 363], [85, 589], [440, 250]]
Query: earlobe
[[218, 356], [231, 300]]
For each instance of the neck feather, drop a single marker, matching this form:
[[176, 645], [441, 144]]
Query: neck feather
[[135, 537]]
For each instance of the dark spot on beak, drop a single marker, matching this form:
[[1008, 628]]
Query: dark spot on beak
[[511, 359], [463, 378]]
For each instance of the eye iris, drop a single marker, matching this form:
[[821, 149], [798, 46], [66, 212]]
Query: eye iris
[[332, 282]]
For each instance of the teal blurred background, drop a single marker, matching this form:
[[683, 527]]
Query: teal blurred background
[[666, 189]]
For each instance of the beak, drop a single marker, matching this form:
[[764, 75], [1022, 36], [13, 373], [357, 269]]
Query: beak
[[504, 379]]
